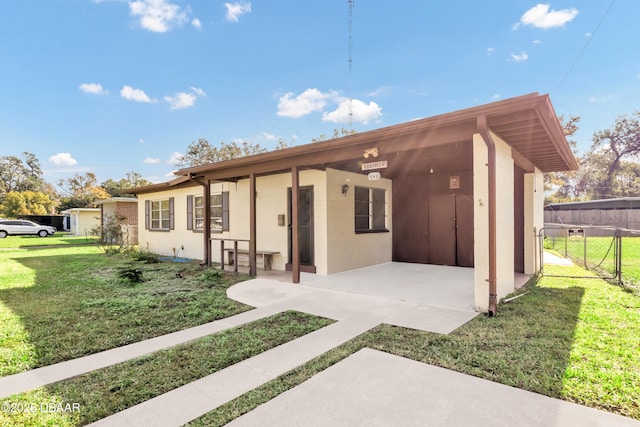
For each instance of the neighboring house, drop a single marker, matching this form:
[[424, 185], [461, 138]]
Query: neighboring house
[[126, 208], [459, 189], [82, 220]]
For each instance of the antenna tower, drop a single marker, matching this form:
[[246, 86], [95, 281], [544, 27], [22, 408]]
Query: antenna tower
[[351, 4]]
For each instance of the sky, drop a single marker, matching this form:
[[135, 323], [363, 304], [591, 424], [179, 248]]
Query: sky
[[114, 86]]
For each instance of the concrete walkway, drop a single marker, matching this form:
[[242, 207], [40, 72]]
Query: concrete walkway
[[553, 259], [371, 388], [355, 314]]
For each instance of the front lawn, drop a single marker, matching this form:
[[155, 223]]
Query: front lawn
[[106, 391], [62, 303], [58, 239], [600, 254]]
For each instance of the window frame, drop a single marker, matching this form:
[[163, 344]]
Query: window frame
[[161, 223], [373, 208], [195, 214]]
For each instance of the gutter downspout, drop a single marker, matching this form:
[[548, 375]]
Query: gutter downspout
[[491, 163]]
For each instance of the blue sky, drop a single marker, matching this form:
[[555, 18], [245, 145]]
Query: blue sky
[[113, 86]]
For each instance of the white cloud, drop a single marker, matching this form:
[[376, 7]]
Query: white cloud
[[183, 99], [379, 91], [157, 15], [361, 112], [269, 136], [63, 159], [137, 95], [151, 160], [496, 96], [196, 23], [542, 16], [490, 51], [198, 91], [307, 102], [93, 88], [236, 10], [536, 41], [175, 158], [519, 58]]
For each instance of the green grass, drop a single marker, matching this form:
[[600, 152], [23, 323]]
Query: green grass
[[573, 339], [58, 239], [106, 391], [62, 303], [600, 254]]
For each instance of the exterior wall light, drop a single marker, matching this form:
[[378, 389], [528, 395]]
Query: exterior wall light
[[345, 189]]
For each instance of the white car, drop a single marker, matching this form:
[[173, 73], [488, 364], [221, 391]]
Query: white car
[[18, 227]]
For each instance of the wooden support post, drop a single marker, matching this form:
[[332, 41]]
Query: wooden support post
[[295, 242], [206, 190], [235, 256], [253, 270], [221, 254]]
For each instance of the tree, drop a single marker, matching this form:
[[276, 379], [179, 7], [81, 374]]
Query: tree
[[20, 174], [17, 203], [118, 188], [337, 133], [82, 191], [562, 185], [201, 152], [620, 145]]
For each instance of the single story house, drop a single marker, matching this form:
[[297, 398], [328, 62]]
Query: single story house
[[459, 189], [82, 220], [125, 208]]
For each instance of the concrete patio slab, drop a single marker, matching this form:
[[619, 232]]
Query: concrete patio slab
[[378, 389], [435, 285]]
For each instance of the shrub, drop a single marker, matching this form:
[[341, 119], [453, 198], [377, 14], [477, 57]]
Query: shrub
[[130, 274], [213, 275], [111, 233]]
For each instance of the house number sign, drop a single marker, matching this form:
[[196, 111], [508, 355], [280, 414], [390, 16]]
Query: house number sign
[[373, 176]]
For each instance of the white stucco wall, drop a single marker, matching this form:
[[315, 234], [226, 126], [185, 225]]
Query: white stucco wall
[[533, 219], [336, 245], [271, 201], [347, 250], [504, 220], [163, 242]]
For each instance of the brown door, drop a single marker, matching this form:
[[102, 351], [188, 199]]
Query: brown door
[[442, 229], [451, 230], [305, 228], [410, 224]]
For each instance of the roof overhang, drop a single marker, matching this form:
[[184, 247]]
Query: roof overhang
[[527, 123]]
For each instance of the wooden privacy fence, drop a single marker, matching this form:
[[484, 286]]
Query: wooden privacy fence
[[621, 218]]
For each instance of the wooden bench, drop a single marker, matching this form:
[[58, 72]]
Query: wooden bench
[[264, 259]]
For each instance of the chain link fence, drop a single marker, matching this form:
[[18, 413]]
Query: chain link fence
[[611, 253]]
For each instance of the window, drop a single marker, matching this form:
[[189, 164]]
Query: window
[[159, 214], [219, 212], [198, 213], [370, 210], [216, 212]]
